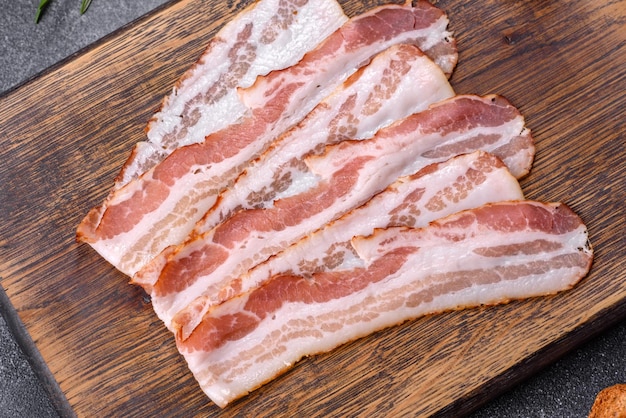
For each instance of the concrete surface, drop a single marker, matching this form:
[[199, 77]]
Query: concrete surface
[[21, 394], [565, 389]]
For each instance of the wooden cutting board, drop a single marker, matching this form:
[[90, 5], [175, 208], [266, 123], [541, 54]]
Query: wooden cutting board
[[65, 133]]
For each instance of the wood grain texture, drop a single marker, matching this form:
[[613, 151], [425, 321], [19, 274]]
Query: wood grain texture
[[66, 133]]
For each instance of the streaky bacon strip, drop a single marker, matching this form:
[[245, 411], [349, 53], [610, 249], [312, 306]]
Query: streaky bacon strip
[[159, 209], [438, 190], [207, 269], [398, 82], [266, 36], [459, 125], [487, 255]]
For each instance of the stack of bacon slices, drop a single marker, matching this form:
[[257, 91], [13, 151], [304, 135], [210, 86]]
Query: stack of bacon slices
[[313, 179]]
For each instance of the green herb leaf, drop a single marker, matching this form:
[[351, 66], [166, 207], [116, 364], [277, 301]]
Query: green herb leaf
[[42, 5], [84, 5]]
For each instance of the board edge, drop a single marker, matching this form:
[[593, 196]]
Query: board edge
[[34, 358]]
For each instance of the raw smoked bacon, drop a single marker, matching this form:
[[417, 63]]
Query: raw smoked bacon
[[348, 174], [441, 189], [486, 255], [160, 208], [281, 205]]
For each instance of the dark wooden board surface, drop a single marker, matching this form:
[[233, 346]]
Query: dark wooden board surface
[[65, 134]]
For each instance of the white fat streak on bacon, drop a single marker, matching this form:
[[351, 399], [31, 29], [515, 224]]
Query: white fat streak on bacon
[[160, 208], [487, 255], [398, 82], [207, 269], [438, 190], [268, 35]]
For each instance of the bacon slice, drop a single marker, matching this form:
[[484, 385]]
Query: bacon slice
[[438, 190], [487, 255], [207, 269], [266, 36], [159, 209]]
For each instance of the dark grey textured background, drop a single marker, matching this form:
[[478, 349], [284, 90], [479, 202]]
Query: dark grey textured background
[[565, 389]]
